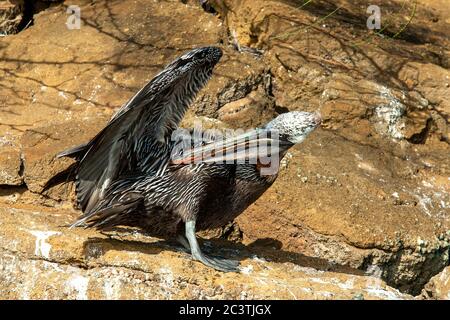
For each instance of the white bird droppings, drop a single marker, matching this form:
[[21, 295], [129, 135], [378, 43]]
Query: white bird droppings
[[80, 285], [42, 247], [247, 269]]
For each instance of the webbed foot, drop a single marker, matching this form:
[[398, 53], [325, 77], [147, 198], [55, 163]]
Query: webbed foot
[[217, 263]]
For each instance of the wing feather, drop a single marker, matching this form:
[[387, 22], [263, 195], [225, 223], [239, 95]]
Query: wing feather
[[137, 136]]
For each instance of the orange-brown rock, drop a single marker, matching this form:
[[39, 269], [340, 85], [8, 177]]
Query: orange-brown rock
[[39, 259], [438, 287], [11, 15]]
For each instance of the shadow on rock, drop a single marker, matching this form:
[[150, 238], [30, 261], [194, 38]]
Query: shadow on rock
[[261, 250]]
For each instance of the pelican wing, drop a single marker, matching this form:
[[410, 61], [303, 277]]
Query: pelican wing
[[137, 135]]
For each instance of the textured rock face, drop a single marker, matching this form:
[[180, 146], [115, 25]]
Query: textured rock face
[[360, 208], [357, 79], [438, 287], [352, 205], [10, 173], [41, 260], [11, 14]]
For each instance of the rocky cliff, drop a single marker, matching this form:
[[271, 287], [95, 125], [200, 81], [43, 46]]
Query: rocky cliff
[[360, 210]]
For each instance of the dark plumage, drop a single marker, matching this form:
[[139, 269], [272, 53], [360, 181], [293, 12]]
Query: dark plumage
[[134, 173]]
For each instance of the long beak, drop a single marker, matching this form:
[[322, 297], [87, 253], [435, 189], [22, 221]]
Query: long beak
[[248, 148]]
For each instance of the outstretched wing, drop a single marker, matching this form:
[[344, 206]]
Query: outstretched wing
[[138, 134]]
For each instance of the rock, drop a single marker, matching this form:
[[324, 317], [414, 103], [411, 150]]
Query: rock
[[41, 145], [438, 287], [68, 78], [11, 163], [41, 260], [249, 112], [239, 76], [356, 210], [371, 78], [11, 14]]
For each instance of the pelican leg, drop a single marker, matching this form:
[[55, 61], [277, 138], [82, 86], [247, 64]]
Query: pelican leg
[[183, 241], [220, 264]]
